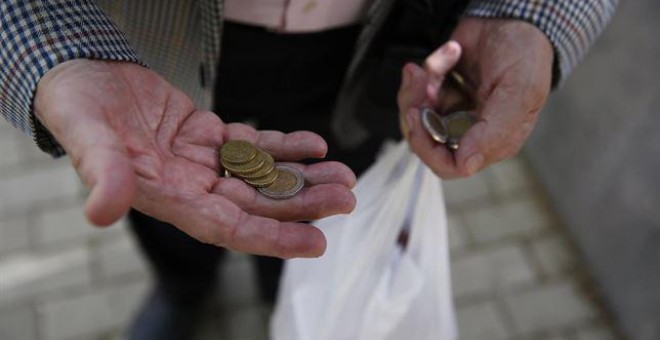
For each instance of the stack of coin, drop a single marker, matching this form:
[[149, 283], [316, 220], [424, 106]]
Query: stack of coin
[[243, 160], [447, 129], [458, 102], [257, 168]]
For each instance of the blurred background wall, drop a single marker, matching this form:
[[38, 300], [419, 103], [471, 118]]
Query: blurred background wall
[[596, 150]]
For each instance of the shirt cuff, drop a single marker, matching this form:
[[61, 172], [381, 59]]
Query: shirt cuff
[[36, 36], [571, 26]]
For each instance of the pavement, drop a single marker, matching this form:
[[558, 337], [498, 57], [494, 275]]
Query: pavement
[[516, 272]]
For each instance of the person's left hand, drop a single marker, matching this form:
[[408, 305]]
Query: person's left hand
[[508, 63]]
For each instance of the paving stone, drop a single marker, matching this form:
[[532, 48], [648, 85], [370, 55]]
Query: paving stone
[[546, 336], [32, 186], [490, 271], [33, 156], [28, 275], [238, 287], [554, 255], [482, 321], [62, 224], [556, 337], [18, 144], [247, 324], [461, 191], [18, 323], [90, 315], [595, 333], [512, 218], [9, 148], [14, 235], [549, 308], [67, 223], [509, 176], [120, 257]]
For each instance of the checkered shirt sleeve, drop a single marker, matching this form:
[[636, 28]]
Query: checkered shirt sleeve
[[35, 36], [570, 25]]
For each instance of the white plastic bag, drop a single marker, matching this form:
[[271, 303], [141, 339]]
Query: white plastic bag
[[366, 287]]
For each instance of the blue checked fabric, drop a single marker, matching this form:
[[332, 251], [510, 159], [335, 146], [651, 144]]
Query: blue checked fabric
[[35, 36], [180, 39]]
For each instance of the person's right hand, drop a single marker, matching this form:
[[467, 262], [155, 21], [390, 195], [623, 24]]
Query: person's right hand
[[135, 140]]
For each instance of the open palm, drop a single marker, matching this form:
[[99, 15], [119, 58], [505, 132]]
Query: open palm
[[135, 140]]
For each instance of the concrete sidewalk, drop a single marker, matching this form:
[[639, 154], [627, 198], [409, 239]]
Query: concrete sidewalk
[[516, 274]]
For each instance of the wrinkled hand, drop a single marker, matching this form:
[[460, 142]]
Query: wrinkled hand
[[508, 63], [137, 141]]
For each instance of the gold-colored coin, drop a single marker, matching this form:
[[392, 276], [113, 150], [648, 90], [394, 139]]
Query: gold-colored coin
[[237, 152], [250, 167], [457, 123], [263, 181], [457, 94], [266, 169], [288, 183]]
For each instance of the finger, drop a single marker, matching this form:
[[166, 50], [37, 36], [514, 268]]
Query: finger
[[292, 146], [412, 92], [435, 155], [437, 65], [329, 172], [300, 148], [104, 166], [216, 220], [327, 194], [202, 128], [283, 146], [112, 188], [284, 240]]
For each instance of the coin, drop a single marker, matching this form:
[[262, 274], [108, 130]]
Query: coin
[[263, 181], [457, 94], [288, 183], [264, 170], [237, 152], [434, 125], [250, 167], [457, 123]]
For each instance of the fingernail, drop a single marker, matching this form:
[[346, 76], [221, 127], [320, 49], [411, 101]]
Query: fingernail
[[451, 47], [474, 163]]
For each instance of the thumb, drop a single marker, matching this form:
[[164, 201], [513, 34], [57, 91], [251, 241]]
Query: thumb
[[504, 124], [412, 92], [101, 160]]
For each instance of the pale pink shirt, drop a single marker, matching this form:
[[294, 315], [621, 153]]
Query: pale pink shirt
[[296, 16]]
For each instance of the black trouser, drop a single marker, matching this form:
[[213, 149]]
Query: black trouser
[[282, 82]]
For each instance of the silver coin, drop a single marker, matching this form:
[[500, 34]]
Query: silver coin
[[434, 125], [288, 183]]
